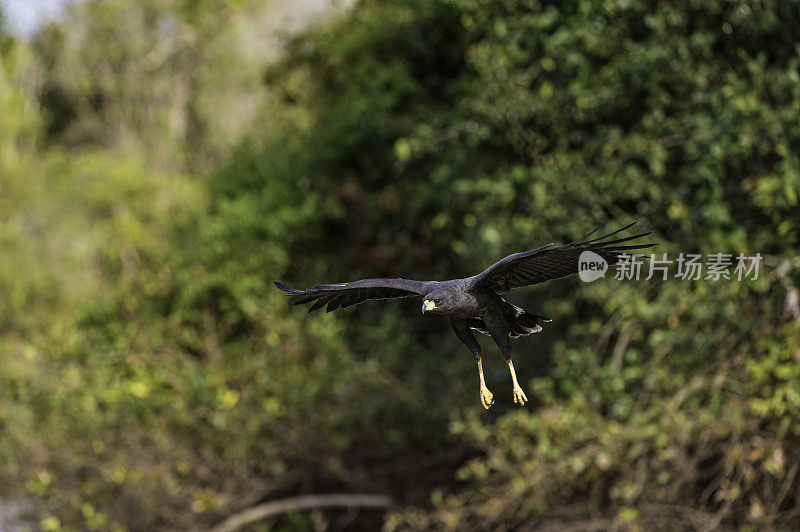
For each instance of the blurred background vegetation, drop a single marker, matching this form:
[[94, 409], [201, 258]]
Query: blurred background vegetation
[[163, 161]]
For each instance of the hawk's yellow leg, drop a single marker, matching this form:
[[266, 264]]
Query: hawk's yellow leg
[[487, 399], [519, 395]]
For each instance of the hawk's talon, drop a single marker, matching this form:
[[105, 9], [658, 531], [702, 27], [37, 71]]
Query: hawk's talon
[[519, 396], [487, 399]]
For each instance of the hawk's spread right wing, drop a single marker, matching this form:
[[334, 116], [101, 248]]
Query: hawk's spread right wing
[[343, 295]]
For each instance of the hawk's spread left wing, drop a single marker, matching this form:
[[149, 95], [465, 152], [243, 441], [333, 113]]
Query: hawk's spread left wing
[[343, 295], [547, 263]]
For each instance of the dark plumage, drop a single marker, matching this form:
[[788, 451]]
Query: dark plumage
[[475, 302]]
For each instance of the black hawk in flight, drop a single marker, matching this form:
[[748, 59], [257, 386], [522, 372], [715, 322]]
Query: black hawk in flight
[[476, 302]]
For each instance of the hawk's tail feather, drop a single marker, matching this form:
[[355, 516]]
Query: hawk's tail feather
[[527, 323], [520, 322]]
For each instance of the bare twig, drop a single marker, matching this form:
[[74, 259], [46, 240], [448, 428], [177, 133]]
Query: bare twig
[[619, 349], [787, 485], [303, 502]]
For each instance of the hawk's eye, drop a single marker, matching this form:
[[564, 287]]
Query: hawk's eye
[[437, 301]]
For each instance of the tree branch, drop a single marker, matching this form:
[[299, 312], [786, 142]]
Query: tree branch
[[303, 502]]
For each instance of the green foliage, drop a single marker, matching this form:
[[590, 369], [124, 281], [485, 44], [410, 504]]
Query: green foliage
[[152, 377]]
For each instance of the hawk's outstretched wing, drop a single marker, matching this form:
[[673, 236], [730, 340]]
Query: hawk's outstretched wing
[[342, 295], [547, 263]]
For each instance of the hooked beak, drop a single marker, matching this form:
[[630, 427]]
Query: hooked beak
[[428, 305]]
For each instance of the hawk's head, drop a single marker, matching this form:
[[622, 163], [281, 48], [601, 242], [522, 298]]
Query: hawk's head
[[437, 302]]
